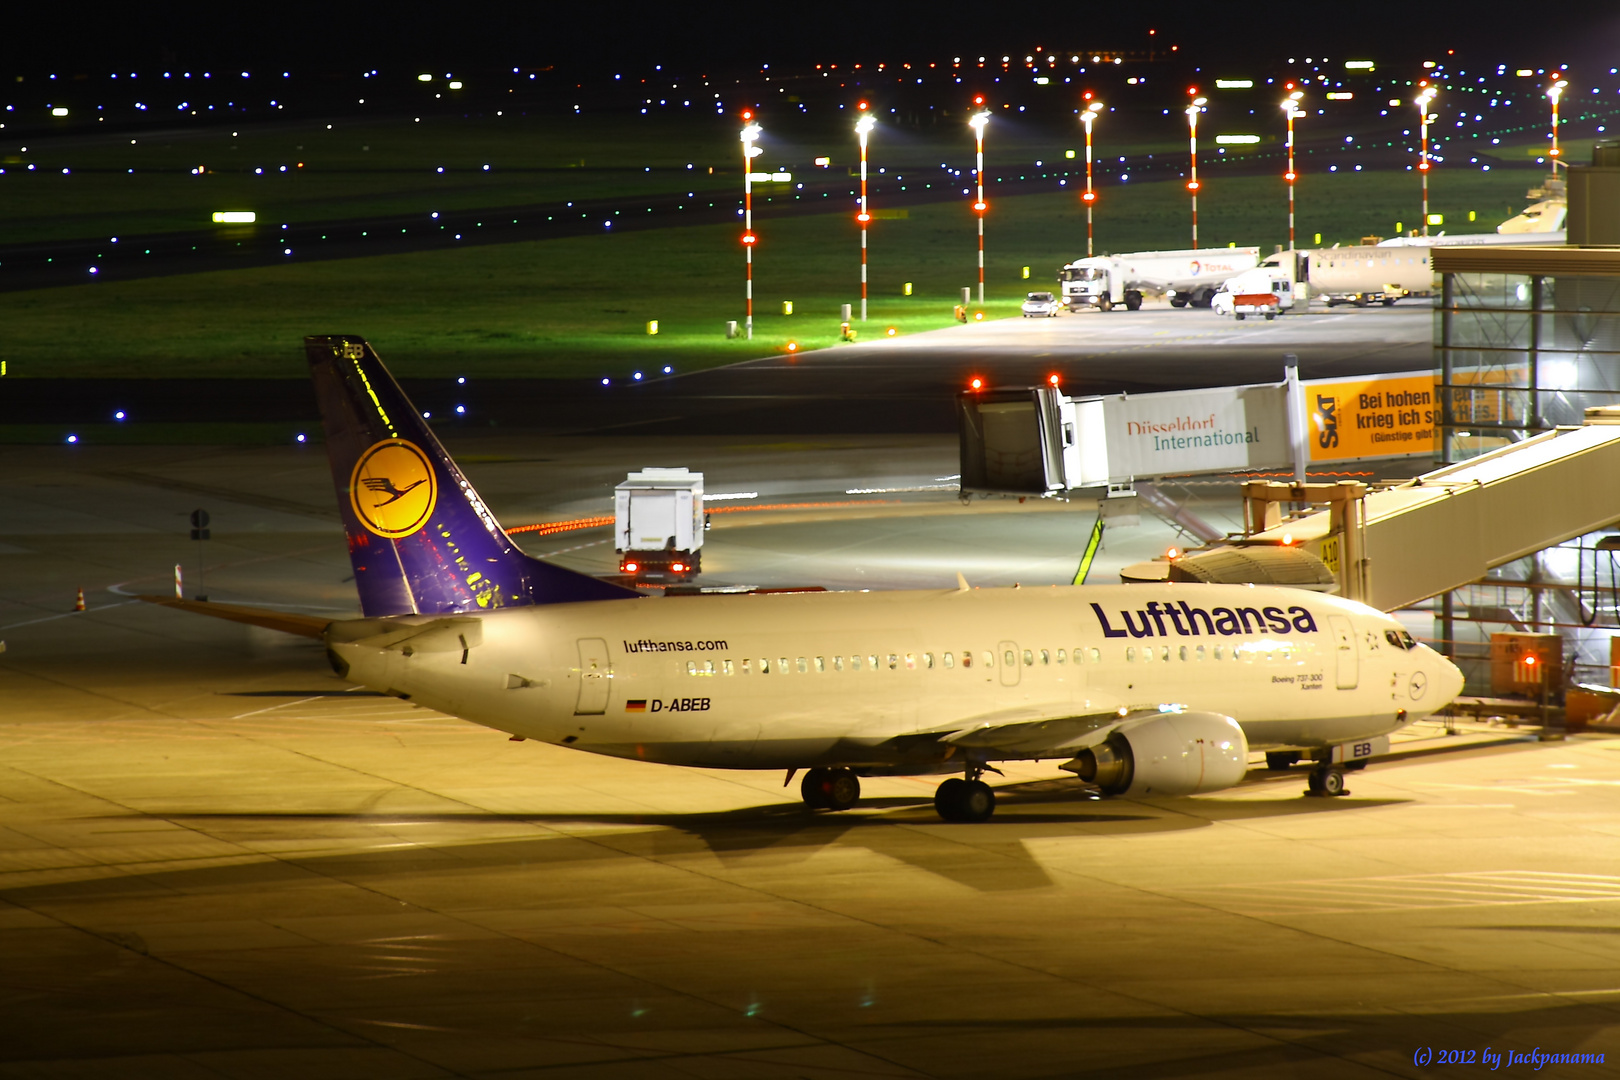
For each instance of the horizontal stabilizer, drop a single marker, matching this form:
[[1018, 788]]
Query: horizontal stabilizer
[[287, 622]]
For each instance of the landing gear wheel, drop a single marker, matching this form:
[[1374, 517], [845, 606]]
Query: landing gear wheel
[[965, 800], [830, 789], [1278, 760], [1327, 781], [1178, 302]]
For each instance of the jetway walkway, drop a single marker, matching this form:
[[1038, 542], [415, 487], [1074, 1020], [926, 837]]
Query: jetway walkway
[[1448, 528]]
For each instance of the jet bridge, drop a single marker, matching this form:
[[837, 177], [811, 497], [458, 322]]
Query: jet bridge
[[1448, 528]]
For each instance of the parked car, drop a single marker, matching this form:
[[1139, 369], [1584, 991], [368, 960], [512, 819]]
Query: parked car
[[1042, 304]]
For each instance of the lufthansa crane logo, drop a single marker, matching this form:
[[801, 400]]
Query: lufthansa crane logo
[[393, 489]]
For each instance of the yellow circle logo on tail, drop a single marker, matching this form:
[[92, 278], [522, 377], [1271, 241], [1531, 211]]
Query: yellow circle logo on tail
[[393, 488]]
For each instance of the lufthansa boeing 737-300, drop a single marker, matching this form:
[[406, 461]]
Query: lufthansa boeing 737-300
[[1153, 690]]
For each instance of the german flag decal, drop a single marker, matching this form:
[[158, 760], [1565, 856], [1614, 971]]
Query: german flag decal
[[637, 705]]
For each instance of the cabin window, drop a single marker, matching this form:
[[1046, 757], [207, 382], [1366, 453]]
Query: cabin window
[[821, 664], [854, 663], [911, 661], [691, 667], [1029, 658], [802, 666], [928, 660], [1147, 654], [872, 661], [838, 663], [1009, 659], [782, 665], [1130, 654], [726, 667], [746, 665], [764, 665], [1079, 656], [894, 662], [1046, 656], [1183, 653], [1096, 656], [967, 658], [708, 667], [1164, 654], [950, 660], [1220, 652], [1198, 653], [1063, 656]]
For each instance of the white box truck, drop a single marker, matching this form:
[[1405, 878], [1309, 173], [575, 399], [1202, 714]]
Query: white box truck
[[658, 524], [1186, 277]]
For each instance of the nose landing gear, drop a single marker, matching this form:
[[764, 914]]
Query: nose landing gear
[[1326, 781]]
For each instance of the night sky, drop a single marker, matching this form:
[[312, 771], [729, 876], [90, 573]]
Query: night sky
[[309, 36]]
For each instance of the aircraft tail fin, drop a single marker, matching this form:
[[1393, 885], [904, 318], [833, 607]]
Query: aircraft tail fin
[[420, 538]]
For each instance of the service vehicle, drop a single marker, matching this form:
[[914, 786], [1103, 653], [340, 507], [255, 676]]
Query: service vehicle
[[1151, 690], [1266, 290], [1041, 305], [658, 524], [1188, 277]]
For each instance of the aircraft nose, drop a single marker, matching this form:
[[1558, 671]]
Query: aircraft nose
[[1449, 678]]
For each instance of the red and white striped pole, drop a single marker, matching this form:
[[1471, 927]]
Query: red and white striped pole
[[977, 122], [863, 128], [750, 134]]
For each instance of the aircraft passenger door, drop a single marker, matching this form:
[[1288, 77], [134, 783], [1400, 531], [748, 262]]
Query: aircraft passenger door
[[1007, 658], [595, 677], [1344, 650]]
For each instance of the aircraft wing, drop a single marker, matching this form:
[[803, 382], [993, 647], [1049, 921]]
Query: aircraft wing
[[285, 621], [1038, 730]]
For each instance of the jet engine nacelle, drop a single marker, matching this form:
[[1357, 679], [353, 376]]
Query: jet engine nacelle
[[1168, 754]]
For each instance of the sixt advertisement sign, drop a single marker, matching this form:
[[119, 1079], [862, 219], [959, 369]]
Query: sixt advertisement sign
[[1239, 427], [1374, 416]]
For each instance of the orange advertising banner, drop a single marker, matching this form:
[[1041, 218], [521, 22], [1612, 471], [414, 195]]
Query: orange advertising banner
[[1373, 416]]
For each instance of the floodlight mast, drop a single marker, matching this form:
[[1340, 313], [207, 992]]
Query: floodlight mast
[[863, 128], [1193, 110], [750, 134], [1556, 91], [1291, 109], [1087, 117], [977, 122], [1422, 102]]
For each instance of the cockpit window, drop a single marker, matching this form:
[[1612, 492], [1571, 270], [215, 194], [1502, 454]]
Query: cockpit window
[[1400, 639]]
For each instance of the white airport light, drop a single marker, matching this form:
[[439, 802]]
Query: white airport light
[[235, 217], [750, 135], [1234, 84], [977, 122], [424, 78], [59, 111], [1340, 95], [1236, 140], [455, 86], [1087, 117], [863, 129], [1358, 65]]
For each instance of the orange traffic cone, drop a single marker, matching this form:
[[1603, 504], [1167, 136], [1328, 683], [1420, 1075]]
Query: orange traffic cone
[[78, 605]]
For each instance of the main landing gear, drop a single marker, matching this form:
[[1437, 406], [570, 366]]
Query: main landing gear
[[830, 789], [966, 799]]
